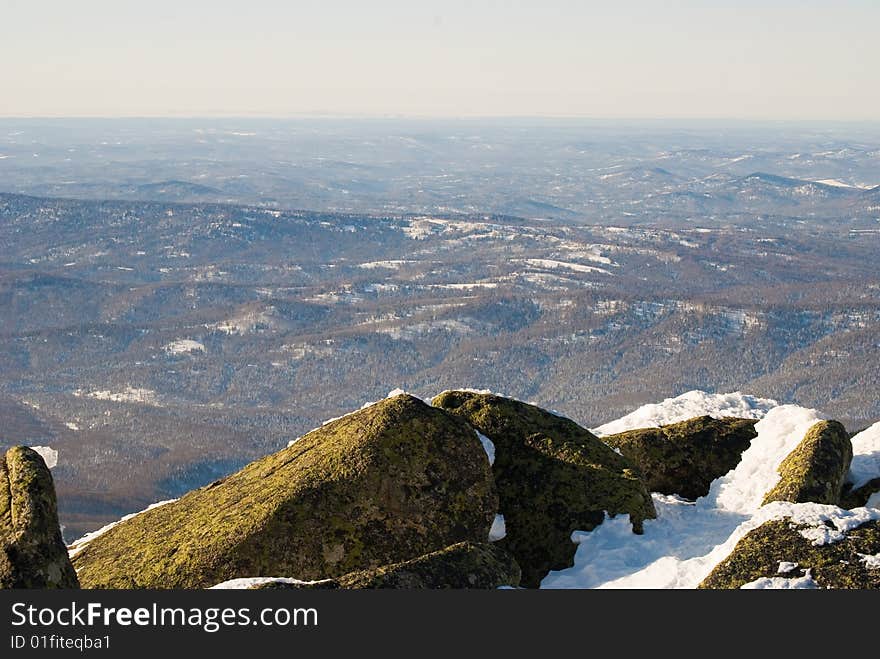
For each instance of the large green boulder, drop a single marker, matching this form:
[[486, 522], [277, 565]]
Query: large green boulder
[[32, 552], [777, 550], [463, 565], [684, 458], [385, 484], [553, 478], [816, 469]]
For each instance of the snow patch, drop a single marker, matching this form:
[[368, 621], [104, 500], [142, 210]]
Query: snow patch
[[49, 455], [498, 530], [866, 456], [782, 583], [785, 567], [249, 582], [687, 406], [182, 346], [488, 446]]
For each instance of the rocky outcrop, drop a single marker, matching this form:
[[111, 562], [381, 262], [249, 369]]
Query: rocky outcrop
[[463, 565], [32, 552], [391, 482], [777, 550], [553, 477], [684, 458], [816, 470]]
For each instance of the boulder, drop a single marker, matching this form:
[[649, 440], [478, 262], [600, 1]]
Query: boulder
[[684, 458], [778, 544], [463, 565], [32, 552], [382, 485], [553, 478], [816, 470]]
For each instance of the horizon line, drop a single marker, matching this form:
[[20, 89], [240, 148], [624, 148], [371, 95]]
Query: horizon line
[[431, 117]]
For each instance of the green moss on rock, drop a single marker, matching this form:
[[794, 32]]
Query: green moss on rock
[[396, 480], [684, 458], [463, 565], [837, 565], [32, 552], [815, 471], [553, 477]]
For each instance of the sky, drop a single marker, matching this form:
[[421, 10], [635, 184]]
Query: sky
[[775, 59]]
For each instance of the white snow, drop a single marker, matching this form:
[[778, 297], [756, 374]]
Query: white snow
[[688, 539], [78, 545], [871, 561], [488, 446], [72, 425], [498, 530], [390, 265], [127, 395], [866, 456], [785, 567], [566, 265], [249, 582], [49, 455], [782, 583], [182, 346], [687, 406]]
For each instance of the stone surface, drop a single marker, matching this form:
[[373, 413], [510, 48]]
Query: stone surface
[[684, 458], [553, 477], [816, 470], [385, 484], [839, 564], [32, 552]]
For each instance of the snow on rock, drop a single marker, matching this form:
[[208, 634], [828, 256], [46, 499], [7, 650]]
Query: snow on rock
[[688, 539], [249, 582], [785, 567], [779, 433], [780, 583], [77, 546], [866, 456], [49, 455], [488, 446], [183, 346], [498, 530], [871, 561], [687, 406]]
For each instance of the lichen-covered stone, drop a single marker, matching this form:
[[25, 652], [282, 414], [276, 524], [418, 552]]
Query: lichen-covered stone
[[839, 564], [393, 481], [553, 477], [32, 552], [684, 458], [463, 565], [815, 471]]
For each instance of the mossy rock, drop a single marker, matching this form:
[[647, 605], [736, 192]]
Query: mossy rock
[[856, 498], [463, 565], [815, 471], [837, 565], [553, 478], [393, 481], [32, 552], [684, 458]]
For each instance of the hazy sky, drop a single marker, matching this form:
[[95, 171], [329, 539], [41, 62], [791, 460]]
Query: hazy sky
[[776, 59]]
